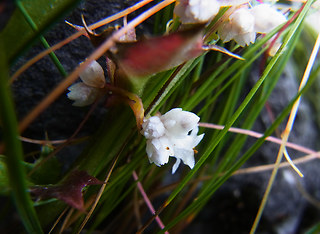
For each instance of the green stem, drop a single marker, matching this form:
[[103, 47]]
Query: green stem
[[44, 42]]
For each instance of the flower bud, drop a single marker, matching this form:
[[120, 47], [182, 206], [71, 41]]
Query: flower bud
[[82, 94], [196, 11], [266, 18], [93, 75]]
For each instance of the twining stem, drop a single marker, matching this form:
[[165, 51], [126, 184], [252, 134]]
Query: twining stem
[[100, 193], [285, 134], [258, 135], [147, 200], [95, 55], [78, 34]]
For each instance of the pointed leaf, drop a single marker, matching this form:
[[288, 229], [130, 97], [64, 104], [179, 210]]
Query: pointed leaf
[[150, 56], [69, 191]]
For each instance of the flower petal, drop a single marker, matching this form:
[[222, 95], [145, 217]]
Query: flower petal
[[176, 165], [196, 11], [266, 18], [159, 150], [178, 122], [93, 75], [153, 128], [82, 94]]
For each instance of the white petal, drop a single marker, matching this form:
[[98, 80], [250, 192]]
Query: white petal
[[93, 75], [266, 18], [196, 140], [196, 11], [82, 94], [176, 165], [159, 150], [153, 128], [245, 39], [178, 122], [183, 149], [239, 26], [186, 155], [242, 21], [225, 32]]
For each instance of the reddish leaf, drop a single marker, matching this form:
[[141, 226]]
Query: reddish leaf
[[69, 190], [149, 56]]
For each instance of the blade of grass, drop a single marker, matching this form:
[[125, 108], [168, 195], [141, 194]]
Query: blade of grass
[[18, 36], [207, 193], [14, 154], [285, 134], [215, 142], [44, 42]]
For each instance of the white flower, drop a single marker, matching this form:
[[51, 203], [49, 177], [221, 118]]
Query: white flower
[[93, 75], [243, 24], [266, 18], [86, 92], [82, 94], [173, 134], [201, 11], [196, 11], [239, 27]]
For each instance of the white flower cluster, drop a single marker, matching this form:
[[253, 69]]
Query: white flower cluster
[[243, 24], [86, 92], [172, 134], [201, 11]]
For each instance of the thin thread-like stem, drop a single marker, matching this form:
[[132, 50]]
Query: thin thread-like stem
[[99, 194], [58, 220], [76, 35], [285, 134], [258, 135], [65, 221], [147, 201], [105, 183], [95, 55], [60, 147]]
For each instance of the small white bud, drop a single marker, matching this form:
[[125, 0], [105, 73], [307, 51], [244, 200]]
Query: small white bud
[[196, 11], [266, 18], [82, 94], [93, 75], [153, 128], [239, 27]]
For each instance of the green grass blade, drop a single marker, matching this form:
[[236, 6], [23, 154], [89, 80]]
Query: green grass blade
[[44, 42], [18, 35], [249, 97], [14, 154]]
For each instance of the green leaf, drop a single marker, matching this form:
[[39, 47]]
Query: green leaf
[[18, 35], [4, 179], [14, 154]]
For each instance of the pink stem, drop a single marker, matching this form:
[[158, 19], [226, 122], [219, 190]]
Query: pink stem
[[258, 135], [147, 201]]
